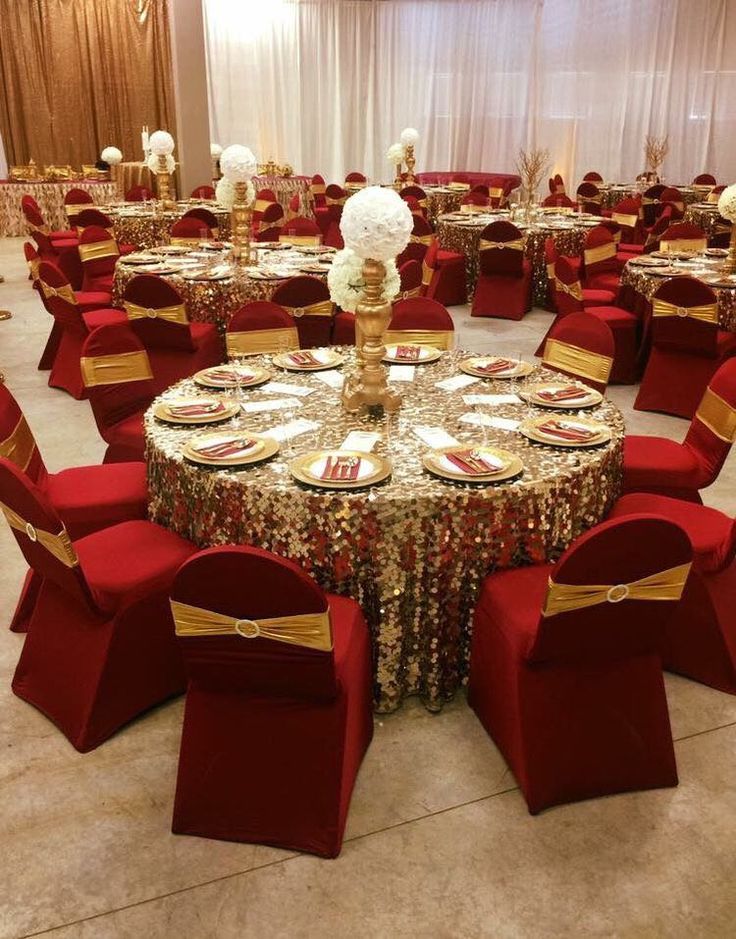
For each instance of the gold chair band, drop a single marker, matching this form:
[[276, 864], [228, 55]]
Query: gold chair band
[[470, 208], [407, 294], [65, 291], [331, 201], [262, 204], [19, 446], [596, 200], [33, 266], [301, 239], [96, 250], [171, 314], [495, 193], [427, 274], [59, 545], [516, 244], [684, 244], [355, 184], [261, 341], [713, 197], [323, 308], [581, 362], [708, 313], [422, 239], [185, 242], [115, 369], [443, 339], [310, 630], [718, 416], [664, 585], [551, 270], [628, 221], [601, 253], [573, 290], [317, 189]]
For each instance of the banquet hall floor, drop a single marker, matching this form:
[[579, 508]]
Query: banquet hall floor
[[439, 842]]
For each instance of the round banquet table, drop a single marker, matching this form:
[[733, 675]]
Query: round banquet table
[[215, 301], [143, 225], [706, 216], [441, 199], [638, 284], [462, 233], [412, 551], [613, 193]]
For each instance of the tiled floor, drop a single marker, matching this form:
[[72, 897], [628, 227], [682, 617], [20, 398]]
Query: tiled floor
[[439, 842]]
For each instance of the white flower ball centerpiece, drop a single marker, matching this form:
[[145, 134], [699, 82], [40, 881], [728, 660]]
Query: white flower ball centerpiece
[[113, 157], [376, 225], [161, 164], [727, 209], [395, 155], [238, 166], [409, 139]]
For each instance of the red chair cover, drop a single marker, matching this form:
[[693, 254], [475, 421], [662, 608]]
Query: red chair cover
[[94, 217], [317, 190], [575, 699], [203, 192], [573, 334], [626, 214], [704, 179], [673, 197], [204, 215], [266, 195], [443, 272], [589, 198], [298, 293], [504, 282], [76, 197], [420, 313], [410, 275], [261, 316], [558, 200], [601, 266], [301, 230], [355, 177], [476, 198], [190, 230], [269, 234], [36, 221], [592, 177], [99, 254], [301, 715], [417, 199], [414, 251], [139, 194], [271, 217]]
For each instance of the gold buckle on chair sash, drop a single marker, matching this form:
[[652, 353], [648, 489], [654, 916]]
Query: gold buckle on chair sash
[[601, 253], [301, 239], [96, 250], [664, 585], [261, 341], [171, 314], [407, 294], [310, 630], [684, 244], [18, 447], [443, 339], [573, 290], [516, 244], [707, 313], [115, 369], [628, 221], [59, 545], [65, 291], [323, 308], [579, 361], [718, 416], [421, 239]]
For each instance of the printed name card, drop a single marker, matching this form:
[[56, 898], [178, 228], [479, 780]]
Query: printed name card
[[292, 429], [500, 423], [282, 388], [456, 382], [401, 372], [435, 437], [360, 440], [491, 399], [280, 404], [332, 378]]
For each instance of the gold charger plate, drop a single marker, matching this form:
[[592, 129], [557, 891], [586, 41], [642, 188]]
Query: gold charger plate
[[267, 447], [170, 249], [205, 277], [427, 354], [513, 466], [230, 409], [331, 360], [589, 397], [379, 469], [470, 367], [259, 376], [530, 429], [139, 259], [160, 269]]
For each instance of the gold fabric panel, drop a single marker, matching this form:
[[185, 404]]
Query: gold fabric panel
[[516, 244], [573, 290], [96, 250], [664, 585], [115, 369], [427, 274], [310, 630], [65, 291], [684, 244], [335, 201], [708, 313], [59, 545], [601, 253], [323, 308], [187, 242], [422, 239], [19, 446], [172, 314], [261, 341], [468, 208], [495, 193], [569, 358], [628, 221], [718, 416], [436, 338]]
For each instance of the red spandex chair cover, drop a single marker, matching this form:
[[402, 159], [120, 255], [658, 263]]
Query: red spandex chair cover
[[410, 275], [422, 321], [158, 316], [87, 217], [626, 214], [496, 190], [278, 713], [203, 192], [673, 197], [317, 190], [294, 206], [414, 251], [190, 231], [415, 193], [36, 222], [655, 232], [260, 328], [591, 296], [589, 198], [139, 194], [33, 259], [269, 234], [301, 231], [207, 216], [443, 272], [99, 253], [270, 219], [651, 207], [328, 217], [593, 177], [700, 640], [559, 200], [660, 465], [565, 670], [119, 381], [601, 266], [704, 179], [683, 236], [475, 202], [74, 201], [504, 282], [356, 180], [307, 301], [687, 347], [100, 648], [582, 346]]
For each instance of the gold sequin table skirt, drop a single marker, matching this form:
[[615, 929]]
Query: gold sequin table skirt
[[50, 198], [413, 551], [464, 238], [707, 219], [146, 229], [440, 201]]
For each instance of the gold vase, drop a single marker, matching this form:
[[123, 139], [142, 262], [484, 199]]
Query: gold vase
[[410, 164], [163, 183], [730, 264], [367, 387], [240, 218]]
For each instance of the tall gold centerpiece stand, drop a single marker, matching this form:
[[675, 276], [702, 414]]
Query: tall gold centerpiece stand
[[367, 388], [730, 263], [163, 183], [398, 182], [410, 164], [241, 218]]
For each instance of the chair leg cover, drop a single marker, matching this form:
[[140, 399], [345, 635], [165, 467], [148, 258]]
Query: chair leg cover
[[45, 363], [65, 371], [503, 297], [26, 603], [271, 770], [674, 383], [572, 732], [448, 285], [91, 676]]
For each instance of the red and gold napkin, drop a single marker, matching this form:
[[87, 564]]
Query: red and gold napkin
[[565, 432], [338, 468], [408, 353], [304, 358], [225, 448], [562, 394], [499, 365], [473, 465], [195, 410], [229, 374]]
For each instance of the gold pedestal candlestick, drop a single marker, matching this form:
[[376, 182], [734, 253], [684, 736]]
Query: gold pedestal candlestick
[[730, 264], [163, 183], [368, 387], [398, 182], [240, 216], [410, 164]]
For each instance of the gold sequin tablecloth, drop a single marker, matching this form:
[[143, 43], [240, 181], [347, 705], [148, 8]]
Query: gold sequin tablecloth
[[145, 226], [707, 217], [464, 236], [50, 198], [440, 201], [613, 194], [413, 551]]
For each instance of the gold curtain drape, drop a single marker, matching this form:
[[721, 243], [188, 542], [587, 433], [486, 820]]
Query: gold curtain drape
[[80, 75]]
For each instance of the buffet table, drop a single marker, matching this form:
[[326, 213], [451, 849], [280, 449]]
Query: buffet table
[[414, 549], [50, 198]]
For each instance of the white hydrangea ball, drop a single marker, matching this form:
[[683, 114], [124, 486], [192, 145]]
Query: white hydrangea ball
[[154, 167], [225, 193], [727, 203], [215, 150], [238, 163], [111, 155], [395, 154], [161, 142], [376, 223], [409, 137], [345, 280]]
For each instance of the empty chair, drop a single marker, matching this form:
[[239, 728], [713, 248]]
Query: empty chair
[[307, 300], [36, 222], [589, 198], [444, 271], [593, 177], [704, 179], [139, 194], [651, 207], [417, 194], [496, 191], [328, 217], [626, 214], [99, 253], [317, 190], [301, 231], [681, 470], [601, 265], [558, 200], [355, 180], [565, 669], [293, 207], [654, 232], [410, 276], [504, 282], [207, 217], [592, 296], [203, 192], [581, 346], [270, 218], [683, 236], [259, 328], [189, 232], [88, 217], [74, 201], [420, 321], [279, 679], [714, 195], [475, 202], [673, 197]]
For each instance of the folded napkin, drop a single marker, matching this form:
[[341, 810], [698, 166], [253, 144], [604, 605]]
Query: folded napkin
[[566, 432], [195, 410], [225, 448], [304, 358], [408, 353], [473, 463], [341, 468], [499, 365], [229, 374], [563, 394]]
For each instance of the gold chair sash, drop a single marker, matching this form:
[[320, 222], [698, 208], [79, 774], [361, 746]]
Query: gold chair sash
[[684, 244], [628, 221], [551, 270], [33, 266], [186, 242], [74, 208], [581, 362], [301, 239], [171, 314], [427, 274], [317, 189], [261, 205], [664, 585], [516, 244], [115, 369], [495, 193], [469, 208], [355, 184], [96, 250], [573, 290], [421, 239], [713, 197], [323, 308], [340, 201], [707, 313], [601, 253], [596, 200], [59, 545], [443, 339], [718, 416], [261, 341], [18, 447], [65, 291], [459, 187], [309, 630]]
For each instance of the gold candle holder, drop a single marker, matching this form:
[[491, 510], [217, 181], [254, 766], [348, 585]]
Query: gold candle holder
[[398, 182], [410, 164], [730, 263], [163, 183], [368, 387], [241, 216]]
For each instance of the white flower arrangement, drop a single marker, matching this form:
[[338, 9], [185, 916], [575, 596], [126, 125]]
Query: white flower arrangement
[[409, 137], [225, 193], [161, 142], [238, 163], [215, 151], [111, 155], [376, 223], [395, 154], [727, 203], [153, 164], [345, 280]]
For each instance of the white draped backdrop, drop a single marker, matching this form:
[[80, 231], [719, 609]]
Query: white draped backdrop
[[327, 85]]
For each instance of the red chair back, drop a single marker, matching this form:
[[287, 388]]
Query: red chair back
[[203, 192], [414, 251], [17, 443], [589, 198], [157, 314], [659, 227], [139, 194], [475, 201], [685, 317], [190, 230], [714, 194], [301, 231], [410, 275], [559, 183], [94, 217], [307, 300], [626, 213], [415, 192], [317, 190], [269, 234], [335, 195], [204, 215], [704, 179], [599, 255], [99, 253], [266, 195], [501, 250], [271, 217], [421, 320], [683, 236], [496, 191], [592, 177], [581, 345], [32, 215], [568, 289], [33, 259], [558, 200], [713, 429], [261, 327], [59, 298], [356, 180], [72, 200], [672, 196]]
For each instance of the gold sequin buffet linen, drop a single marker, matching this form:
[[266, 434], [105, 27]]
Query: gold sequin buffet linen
[[50, 198]]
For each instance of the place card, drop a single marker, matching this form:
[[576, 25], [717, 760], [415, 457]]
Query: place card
[[362, 440], [435, 437], [500, 423], [491, 399], [401, 372], [456, 382], [292, 429], [281, 404], [280, 387], [332, 378]]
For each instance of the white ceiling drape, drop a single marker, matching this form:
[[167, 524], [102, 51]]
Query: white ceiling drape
[[327, 85]]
